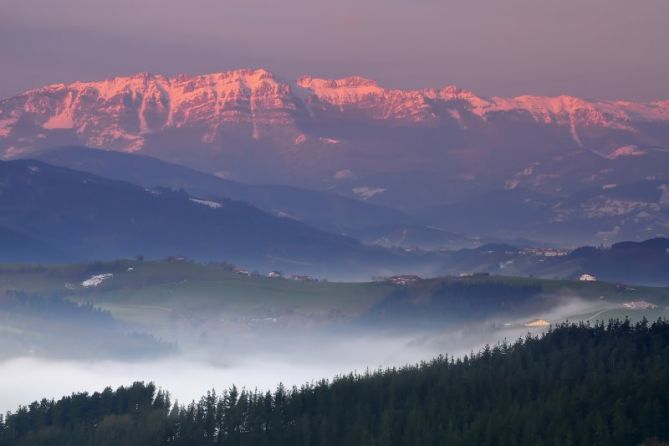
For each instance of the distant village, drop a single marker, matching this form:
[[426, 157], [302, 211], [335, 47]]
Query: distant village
[[226, 266], [402, 279], [277, 275], [544, 252]]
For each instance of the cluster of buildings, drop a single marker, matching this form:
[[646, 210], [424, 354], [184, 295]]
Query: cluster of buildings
[[404, 279], [275, 275], [468, 275], [544, 252]]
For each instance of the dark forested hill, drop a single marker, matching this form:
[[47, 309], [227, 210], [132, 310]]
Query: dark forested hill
[[325, 210], [18, 247], [631, 262], [86, 216], [577, 385], [644, 262]]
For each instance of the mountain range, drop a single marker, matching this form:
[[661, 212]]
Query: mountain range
[[55, 214], [326, 210], [577, 171]]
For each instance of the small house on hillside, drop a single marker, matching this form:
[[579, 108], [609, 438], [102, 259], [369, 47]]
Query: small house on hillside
[[587, 278]]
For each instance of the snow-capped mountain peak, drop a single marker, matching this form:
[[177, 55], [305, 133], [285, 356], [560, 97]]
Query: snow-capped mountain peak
[[228, 111]]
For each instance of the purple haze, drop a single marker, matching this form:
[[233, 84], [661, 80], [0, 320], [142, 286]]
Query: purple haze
[[593, 48]]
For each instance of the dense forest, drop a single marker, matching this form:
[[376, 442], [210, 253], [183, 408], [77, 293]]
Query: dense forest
[[605, 384]]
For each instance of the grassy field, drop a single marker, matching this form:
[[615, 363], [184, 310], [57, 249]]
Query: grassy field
[[156, 294], [155, 306]]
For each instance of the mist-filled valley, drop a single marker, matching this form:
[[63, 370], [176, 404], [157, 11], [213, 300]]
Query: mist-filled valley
[[190, 327]]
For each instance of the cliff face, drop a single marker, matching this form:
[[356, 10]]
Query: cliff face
[[348, 134], [119, 113]]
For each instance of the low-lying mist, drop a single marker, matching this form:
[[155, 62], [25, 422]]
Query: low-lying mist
[[262, 361]]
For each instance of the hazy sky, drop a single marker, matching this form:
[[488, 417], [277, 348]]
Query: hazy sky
[[592, 48]]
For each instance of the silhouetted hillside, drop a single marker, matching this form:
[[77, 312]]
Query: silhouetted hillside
[[90, 217]]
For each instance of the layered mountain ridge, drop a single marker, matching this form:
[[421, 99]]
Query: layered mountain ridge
[[127, 108], [54, 214], [120, 112], [409, 149]]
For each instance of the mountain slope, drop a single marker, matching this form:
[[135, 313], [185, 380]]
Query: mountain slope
[[328, 211], [19, 247], [96, 218], [613, 212], [630, 262], [404, 148], [410, 150], [127, 110], [644, 262]]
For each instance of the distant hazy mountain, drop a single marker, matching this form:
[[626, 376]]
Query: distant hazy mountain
[[645, 263], [604, 214], [408, 149], [325, 210], [95, 218], [414, 236], [627, 262]]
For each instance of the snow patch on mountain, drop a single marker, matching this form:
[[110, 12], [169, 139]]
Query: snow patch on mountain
[[630, 150], [329, 140], [6, 126], [511, 184], [366, 192], [96, 280], [607, 207], [365, 95], [301, 139], [340, 91], [208, 203], [343, 174], [62, 120]]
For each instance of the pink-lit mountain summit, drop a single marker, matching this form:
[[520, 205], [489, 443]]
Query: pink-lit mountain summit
[[121, 112], [349, 134]]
